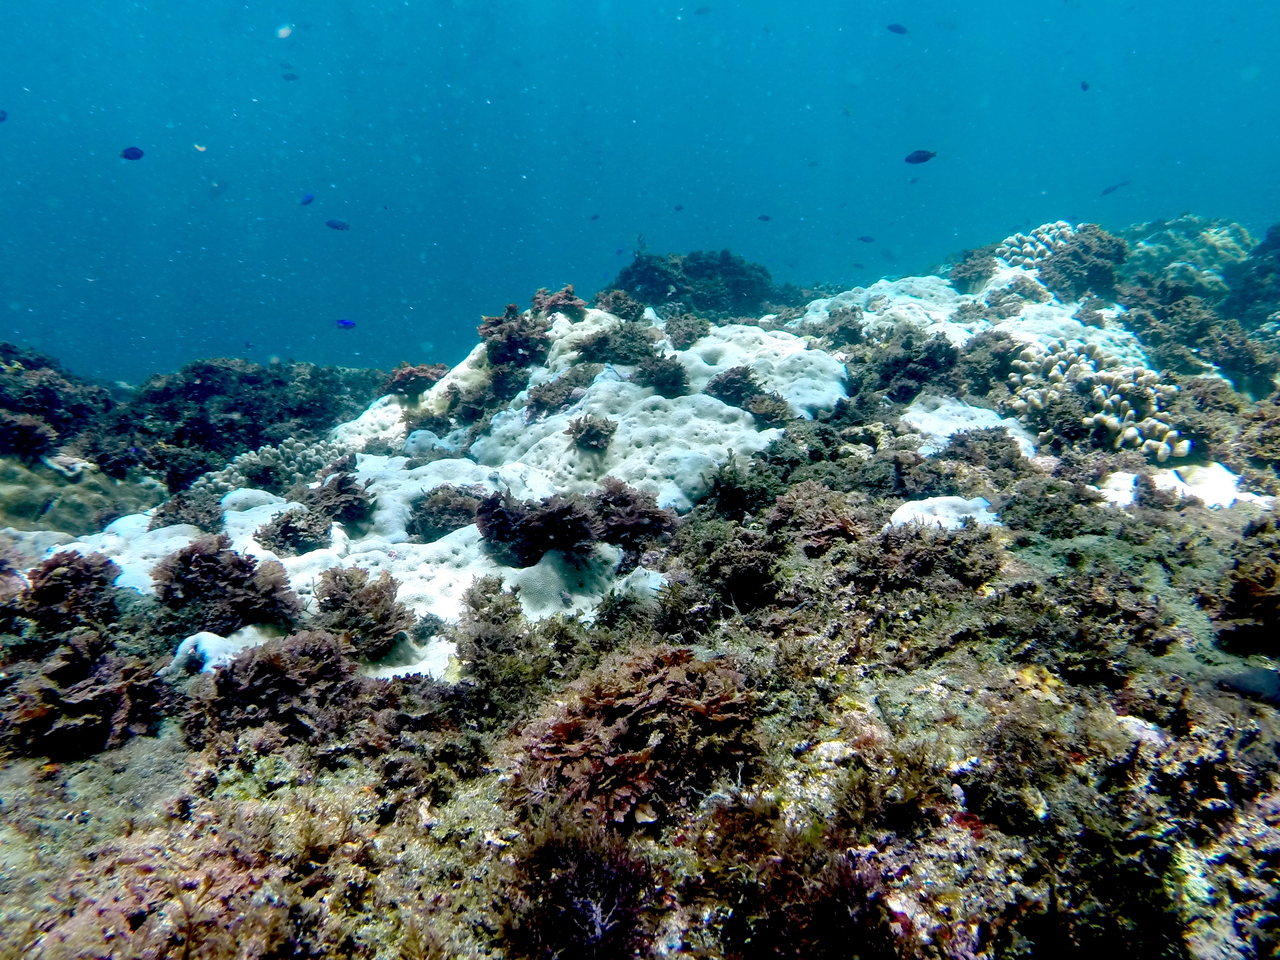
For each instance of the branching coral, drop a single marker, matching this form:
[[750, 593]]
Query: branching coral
[[1072, 378], [638, 737]]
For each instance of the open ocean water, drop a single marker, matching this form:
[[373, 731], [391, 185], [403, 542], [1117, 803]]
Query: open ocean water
[[479, 150]]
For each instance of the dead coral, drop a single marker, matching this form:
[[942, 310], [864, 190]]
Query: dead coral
[[441, 511], [666, 375], [208, 586], [364, 611], [520, 533], [975, 268], [685, 330], [577, 891], [638, 737], [620, 304]]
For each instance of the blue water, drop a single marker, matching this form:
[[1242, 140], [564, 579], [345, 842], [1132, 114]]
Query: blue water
[[482, 149]]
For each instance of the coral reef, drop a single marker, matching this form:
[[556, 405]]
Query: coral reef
[[818, 655]]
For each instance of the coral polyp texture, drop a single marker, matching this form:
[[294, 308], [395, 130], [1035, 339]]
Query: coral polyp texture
[[934, 618]]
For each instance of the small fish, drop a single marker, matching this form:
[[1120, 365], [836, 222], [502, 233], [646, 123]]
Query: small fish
[[289, 76], [679, 207], [813, 163], [595, 216], [764, 216], [920, 156], [344, 323], [897, 28], [1116, 186], [914, 180], [702, 11], [131, 153], [306, 198], [337, 225], [1084, 85], [866, 239], [4, 115], [858, 266]]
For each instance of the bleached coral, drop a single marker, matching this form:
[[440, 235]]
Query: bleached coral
[[1031, 249]]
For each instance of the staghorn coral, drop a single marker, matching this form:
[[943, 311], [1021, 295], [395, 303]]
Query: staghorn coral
[[638, 737], [208, 586]]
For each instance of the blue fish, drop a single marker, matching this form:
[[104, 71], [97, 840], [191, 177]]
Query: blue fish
[[4, 115], [337, 225], [306, 198], [131, 153], [345, 324], [897, 28], [920, 156]]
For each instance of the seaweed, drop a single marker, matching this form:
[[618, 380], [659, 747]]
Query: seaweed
[[440, 511], [70, 590], [592, 433], [295, 532], [412, 381], [1085, 264], [363, 611], [208, 586], [514, 339], [666, 375], [520, 533]]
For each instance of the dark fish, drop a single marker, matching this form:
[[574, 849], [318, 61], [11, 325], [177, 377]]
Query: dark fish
[[337, 225], [679, 207], [1084, 84], [920, 156], [595, 216], [866, 239], [858, 266], [306, 198], [4, 115], [345, 324], [764, 216], [1116, 186], [702, 11], [914, 180], [131, 153], [897, 28], [813, 163], [290, 76]]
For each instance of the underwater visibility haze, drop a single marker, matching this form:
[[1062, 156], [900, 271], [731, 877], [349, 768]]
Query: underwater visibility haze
[[628, 480], [479, 150]]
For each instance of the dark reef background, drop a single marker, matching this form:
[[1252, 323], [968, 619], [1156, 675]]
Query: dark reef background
[[479, 150]]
